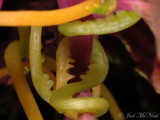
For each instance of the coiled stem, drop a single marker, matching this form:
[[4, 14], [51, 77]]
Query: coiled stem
[[62, 99], [111, 24], [13, 57], [40, 80]]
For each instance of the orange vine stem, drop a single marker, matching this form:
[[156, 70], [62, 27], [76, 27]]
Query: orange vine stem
[[48, 17], [13, 57], [113, 107], [4, 71]]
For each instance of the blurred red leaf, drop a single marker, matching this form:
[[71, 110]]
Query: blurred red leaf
[[149, 10]]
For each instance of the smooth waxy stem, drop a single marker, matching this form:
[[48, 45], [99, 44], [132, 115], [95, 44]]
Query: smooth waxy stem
[[61, 98], [111, 24], [41, 81]]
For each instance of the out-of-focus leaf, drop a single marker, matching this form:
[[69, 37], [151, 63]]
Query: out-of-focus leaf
[[125, 4], [139, 41], [149, 10], [112, 47]]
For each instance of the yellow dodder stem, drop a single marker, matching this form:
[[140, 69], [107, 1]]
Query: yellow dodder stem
[[13, 56], [47, 17], [113, 107], [96, 91], [3, 72]]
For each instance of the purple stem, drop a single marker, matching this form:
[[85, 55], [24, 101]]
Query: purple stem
[[80, 49]]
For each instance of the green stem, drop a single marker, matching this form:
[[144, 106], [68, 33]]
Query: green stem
[[111, 24], [40, 80], [13, 57], [62, 99]]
